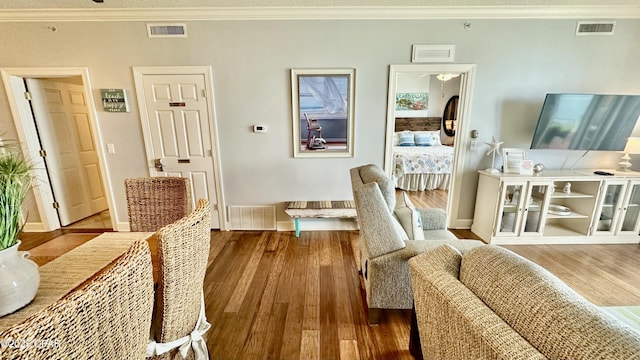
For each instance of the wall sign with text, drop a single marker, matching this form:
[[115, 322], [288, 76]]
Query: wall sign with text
[[114, 100]]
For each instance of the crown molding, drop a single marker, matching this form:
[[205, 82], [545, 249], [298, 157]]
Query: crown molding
[[324, 13]]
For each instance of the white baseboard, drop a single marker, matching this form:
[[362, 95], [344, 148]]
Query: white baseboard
[[461, 224], [122, 226], [34, 227], [313, 224]]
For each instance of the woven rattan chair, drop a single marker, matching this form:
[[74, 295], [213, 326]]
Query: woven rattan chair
[[179, 319], [109, 318], [154, 202]]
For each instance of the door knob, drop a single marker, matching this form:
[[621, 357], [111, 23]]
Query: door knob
[[158, 164]]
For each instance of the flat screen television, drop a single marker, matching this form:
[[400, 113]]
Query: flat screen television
[[586, 122]]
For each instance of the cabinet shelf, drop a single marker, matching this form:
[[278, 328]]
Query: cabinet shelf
[[559, 230], [573, 215], [571, 195]]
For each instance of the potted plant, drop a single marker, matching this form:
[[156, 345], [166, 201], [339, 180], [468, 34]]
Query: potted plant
[[19, 276]]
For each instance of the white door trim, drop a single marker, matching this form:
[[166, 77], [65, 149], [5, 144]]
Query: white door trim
[[25, 127], [462, 134], [207, 72]]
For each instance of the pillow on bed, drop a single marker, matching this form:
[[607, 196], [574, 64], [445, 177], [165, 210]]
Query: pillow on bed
[[405, 138], [422, 139], [431, 137]]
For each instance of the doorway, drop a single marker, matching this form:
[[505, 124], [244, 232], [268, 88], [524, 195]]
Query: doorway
[[180, 132], [61, 115], [466, 72], [73, 182]]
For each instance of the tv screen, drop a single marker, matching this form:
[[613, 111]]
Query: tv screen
[[586, 122]]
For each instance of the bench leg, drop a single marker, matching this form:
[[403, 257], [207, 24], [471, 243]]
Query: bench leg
[[296, 221]]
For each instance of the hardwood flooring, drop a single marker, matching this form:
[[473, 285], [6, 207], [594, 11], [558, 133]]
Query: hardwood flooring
[[270, 295], [428, 199], [274, 296]]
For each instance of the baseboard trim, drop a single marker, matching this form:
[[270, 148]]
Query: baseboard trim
[[34, 227], [461, 224], [123, 226]]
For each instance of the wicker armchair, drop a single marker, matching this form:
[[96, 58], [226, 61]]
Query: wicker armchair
[[179, 320], [154, 202], [109, 318]]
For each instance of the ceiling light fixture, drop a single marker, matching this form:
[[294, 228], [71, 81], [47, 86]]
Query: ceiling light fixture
[[445, 77]]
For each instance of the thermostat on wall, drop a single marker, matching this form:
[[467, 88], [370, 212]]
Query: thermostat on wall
[[259, 128]]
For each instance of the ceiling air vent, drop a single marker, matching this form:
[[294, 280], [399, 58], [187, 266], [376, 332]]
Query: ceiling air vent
[[166, 30], [595, 27], [433, 53]]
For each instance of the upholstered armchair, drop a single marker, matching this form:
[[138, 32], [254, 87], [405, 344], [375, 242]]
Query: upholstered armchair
[[386, 245]]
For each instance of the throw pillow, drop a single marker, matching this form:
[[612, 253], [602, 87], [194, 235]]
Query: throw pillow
[[434, 136], [422, 139], [406, 138], [409, 217]]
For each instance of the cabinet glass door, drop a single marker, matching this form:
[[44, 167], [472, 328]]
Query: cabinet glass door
[[631, 210], [609, 208], [534, 208], [510, 209]]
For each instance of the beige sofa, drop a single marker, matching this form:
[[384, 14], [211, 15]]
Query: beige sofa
[[385, 245], [491, 303]]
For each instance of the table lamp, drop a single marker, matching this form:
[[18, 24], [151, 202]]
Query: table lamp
[[633, 147]]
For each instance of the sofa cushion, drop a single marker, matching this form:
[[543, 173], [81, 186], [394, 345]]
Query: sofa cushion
[[409, 217], [373, 173], [453, 322], [382, 232], [555, 319], [440, 234]]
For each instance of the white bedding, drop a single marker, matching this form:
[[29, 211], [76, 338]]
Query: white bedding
[[419, 168]]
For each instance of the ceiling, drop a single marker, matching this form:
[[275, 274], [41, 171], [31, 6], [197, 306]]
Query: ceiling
[[132, 10], [138, 4]]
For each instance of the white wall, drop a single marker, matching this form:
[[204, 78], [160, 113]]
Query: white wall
[[518, 62]]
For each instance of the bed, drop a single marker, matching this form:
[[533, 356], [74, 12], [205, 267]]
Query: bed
[[420, 161]]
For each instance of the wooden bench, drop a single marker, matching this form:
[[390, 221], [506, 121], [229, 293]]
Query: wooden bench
[[319, 209]]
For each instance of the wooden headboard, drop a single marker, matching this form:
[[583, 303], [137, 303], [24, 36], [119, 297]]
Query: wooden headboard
[[418, 124]]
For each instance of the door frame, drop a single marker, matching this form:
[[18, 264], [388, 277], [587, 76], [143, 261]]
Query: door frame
[[462, 133], [138, 73], [28, 137]]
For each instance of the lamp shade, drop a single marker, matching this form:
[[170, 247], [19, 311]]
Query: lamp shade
[[633, 146]]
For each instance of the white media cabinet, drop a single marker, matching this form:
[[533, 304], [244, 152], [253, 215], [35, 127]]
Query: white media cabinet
[[534, 209]]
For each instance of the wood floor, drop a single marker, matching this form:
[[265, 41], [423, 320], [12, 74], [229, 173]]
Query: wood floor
[[270, 295]]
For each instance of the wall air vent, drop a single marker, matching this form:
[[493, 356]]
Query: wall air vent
[[252, 217], [166, 30], [595, 27], [433, 53]]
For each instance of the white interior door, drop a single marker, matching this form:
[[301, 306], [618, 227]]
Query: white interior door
[[180, 133], [62, 118]]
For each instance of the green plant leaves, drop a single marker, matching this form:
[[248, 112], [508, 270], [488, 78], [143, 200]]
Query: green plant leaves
[[15, 181]]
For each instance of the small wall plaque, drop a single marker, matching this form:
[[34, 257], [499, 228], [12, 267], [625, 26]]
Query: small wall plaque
[[114, 100]]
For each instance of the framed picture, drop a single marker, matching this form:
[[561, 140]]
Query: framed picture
[[526, 167], [412, 101], [322, 112], [512, 159]]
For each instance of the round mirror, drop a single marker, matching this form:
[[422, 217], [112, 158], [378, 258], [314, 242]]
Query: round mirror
[[449, 121]]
